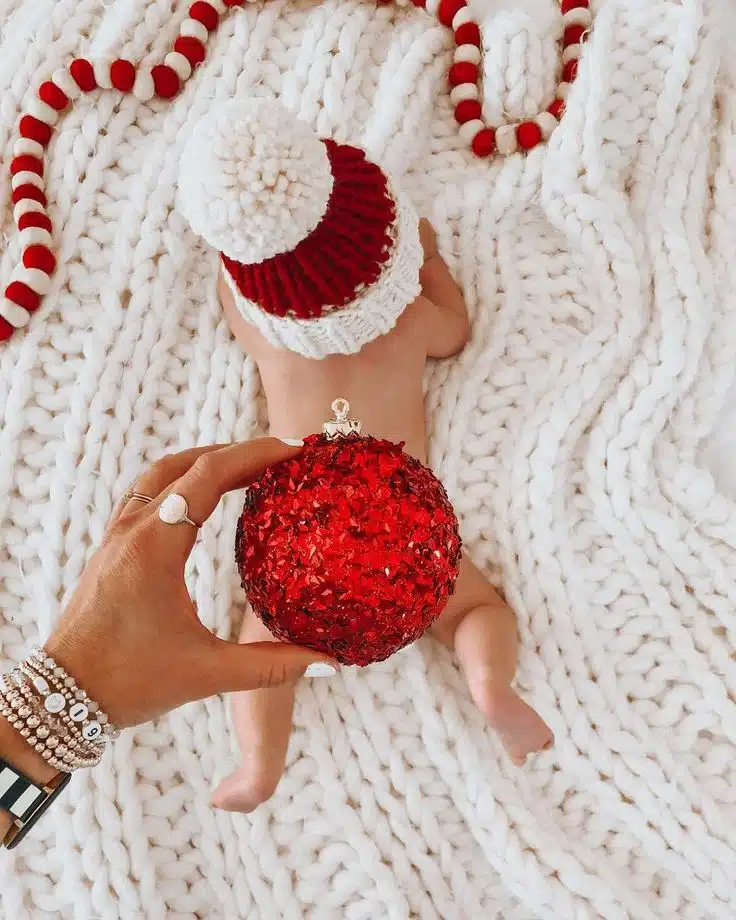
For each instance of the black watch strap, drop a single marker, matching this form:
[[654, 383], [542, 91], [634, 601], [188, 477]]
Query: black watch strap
[[24, 800]]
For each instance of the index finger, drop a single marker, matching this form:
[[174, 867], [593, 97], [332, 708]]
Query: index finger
[[160, 475], [214, 474]]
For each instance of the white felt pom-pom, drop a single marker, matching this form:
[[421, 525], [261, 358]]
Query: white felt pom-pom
[[547, 123], [42, 111], [467, 53], [470, 129], [254, 180], [25, 146], [35, 236], [27, 178], [144, 87], [26, 206], [506, 142], [102, 68], [179, 64], [462, 17], [15, 315], [463, 91], [194, 29]]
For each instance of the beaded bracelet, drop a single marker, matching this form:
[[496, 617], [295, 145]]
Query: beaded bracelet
[[17, 707], [60, 748], [64, 727], [55, 716], [17, 710], [23, 709], [95, 724]]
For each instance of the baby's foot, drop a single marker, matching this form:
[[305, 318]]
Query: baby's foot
[[521, 730], [244, 791]]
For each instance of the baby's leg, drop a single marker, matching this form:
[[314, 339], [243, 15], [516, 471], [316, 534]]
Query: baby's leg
[[262, 721], [481, 628]]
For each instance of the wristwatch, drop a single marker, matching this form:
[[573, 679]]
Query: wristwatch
[[24, 800]]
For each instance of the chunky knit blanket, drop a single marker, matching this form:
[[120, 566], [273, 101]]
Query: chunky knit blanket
[[598, 271]]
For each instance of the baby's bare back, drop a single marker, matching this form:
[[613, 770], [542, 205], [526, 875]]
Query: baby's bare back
[[382, 383]]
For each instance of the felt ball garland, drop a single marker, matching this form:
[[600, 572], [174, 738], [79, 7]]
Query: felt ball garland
[[30, 280]]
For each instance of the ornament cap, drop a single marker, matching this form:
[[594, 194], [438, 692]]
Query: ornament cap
[[342, 424]]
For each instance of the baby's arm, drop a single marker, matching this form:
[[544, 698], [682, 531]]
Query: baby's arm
[[444, 312]]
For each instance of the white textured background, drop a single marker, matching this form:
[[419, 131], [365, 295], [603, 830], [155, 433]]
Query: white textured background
[[600, 274]]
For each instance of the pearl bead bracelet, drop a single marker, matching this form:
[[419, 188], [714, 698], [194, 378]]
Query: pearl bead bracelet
[[55, 716]]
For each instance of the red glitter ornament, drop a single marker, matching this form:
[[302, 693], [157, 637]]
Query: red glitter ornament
[[351, 549]]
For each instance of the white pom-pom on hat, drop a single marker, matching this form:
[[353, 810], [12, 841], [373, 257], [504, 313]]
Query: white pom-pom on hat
[[254, 180]]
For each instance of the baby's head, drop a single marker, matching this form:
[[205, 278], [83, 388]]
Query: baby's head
[[319, 247]]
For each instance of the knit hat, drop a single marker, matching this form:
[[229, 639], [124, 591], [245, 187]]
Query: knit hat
[[319, 247]]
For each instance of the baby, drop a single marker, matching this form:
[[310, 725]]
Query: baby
[[363, 252]]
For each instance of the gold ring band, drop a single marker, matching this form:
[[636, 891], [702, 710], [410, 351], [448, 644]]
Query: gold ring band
[[138, 497]]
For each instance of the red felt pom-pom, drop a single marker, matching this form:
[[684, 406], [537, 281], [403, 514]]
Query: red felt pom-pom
[[192, 49], [463, 72], [568, 5], [83, 74], [448, 9], [467, 110], [35, 130], [351, 549], [468, 34], [570, 71], [166, 81], [205, 13], [6, 330], [26, 163], [40, 257], [557, 107], [34, 219], [484, 142], [50, 93], [573, 35], [528, 134], [23, 295], [29, 191], [122, 75]]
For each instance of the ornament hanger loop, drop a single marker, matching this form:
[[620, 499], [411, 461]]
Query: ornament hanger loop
[[342, 424], [341, 408]]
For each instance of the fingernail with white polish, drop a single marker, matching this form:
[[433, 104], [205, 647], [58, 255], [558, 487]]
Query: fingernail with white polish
[[292, 442], [320, 669]]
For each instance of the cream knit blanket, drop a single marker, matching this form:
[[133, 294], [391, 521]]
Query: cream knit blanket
[[599, 272]]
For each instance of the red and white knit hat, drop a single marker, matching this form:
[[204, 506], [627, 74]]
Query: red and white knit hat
[[320, 248]]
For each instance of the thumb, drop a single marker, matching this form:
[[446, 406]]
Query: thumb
[[259, 665]]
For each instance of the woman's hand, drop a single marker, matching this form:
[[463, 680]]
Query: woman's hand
[[131, 636]]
